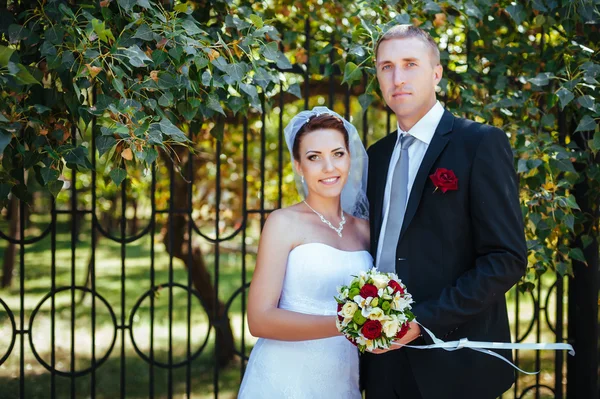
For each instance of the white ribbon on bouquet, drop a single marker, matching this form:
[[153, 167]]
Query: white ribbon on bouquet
[[484, 347]]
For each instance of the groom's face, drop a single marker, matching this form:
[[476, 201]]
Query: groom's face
[[407, 75]]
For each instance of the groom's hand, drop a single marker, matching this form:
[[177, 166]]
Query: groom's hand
[[413, 333]]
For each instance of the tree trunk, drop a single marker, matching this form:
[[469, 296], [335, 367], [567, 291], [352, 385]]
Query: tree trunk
[[11, 249], [177, 226]]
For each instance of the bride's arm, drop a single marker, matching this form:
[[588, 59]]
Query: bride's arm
[[264, 318]]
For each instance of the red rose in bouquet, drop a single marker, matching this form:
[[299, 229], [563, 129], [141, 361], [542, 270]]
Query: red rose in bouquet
[[368, 290], [402, 331], [340, 317], [396, 286], [372, 329]]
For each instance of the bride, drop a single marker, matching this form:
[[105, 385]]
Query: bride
[[306, 251]]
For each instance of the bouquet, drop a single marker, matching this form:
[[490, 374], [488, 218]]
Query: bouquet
[[374, 310]]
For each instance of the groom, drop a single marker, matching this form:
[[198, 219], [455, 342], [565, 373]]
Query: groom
[[445, 216]]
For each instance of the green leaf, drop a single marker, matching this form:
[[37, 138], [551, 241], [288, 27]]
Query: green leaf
[[562, 268], [351, 73], [516, 12], [522, 166], [127, 5], [569, 221], [144, 32], [235, 104], [564, 165], [473, 11], [118, 175], [172, 131], [136, 56], [249, 89], [586, 240], [237, 71], [149, 155], [49, 175], [256, 21], [5, 138], [21, 192], [270, 51], [17, 33], [365, 100], [283, 62], [78, 156], [190, 27], [218, 128], [24, 77], [577, 254], [119, 87], [182, 7], [587, 123], [542, 79], [5, 53], [213, 103], [586, 102], [4, 191], [144, 3], [565, 97], [295, 90], [104, 144], [595, 142], [571, 203]]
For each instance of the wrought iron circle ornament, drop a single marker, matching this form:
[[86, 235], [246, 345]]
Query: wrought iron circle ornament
[[13, 335], [137, 349], [96, 364], [240, 290]]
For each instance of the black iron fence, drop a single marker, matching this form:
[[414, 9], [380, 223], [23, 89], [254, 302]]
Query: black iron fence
[[141, 291]]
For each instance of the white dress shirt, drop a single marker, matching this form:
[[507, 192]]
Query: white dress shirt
[[423, 131]]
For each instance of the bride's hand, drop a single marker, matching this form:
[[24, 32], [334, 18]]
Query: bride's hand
[[413, 333]]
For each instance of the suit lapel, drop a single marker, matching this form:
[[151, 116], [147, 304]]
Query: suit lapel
[[437, 145], [384, 162]]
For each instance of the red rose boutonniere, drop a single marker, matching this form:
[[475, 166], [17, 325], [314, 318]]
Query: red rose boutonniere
[[444, 179]]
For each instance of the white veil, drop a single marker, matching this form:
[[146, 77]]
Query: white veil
[[354, 194]]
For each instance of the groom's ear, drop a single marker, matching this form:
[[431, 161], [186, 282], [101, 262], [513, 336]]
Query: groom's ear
[[437, 73]]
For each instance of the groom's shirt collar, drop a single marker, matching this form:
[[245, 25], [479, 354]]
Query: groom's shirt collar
[[425, 128]]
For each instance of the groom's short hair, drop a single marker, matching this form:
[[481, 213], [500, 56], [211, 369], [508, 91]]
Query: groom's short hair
[[406, 31]]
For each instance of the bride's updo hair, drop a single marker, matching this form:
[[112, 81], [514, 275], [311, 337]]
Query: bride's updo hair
[[323, 121]]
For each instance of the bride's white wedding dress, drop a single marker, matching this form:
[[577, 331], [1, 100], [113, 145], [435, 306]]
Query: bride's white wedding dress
[[320, 368]]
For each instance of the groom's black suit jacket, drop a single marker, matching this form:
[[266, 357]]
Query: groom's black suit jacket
[[458, 253]]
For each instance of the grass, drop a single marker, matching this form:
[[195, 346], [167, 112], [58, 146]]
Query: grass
[[125, 368]]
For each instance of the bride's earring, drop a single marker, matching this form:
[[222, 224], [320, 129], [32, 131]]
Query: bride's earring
[[302, 179]]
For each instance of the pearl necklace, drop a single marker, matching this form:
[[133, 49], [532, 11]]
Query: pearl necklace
[[339, 229]]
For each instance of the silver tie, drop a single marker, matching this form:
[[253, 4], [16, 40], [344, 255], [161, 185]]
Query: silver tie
[[396, 208]]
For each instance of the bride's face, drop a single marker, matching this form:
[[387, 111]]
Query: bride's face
[[324, 162]]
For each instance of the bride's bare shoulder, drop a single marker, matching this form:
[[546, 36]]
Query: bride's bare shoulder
[[362, 227]]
